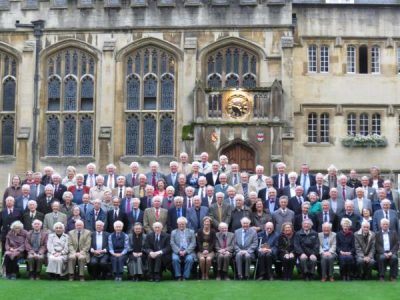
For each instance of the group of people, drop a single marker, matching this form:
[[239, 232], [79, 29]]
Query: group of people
[[202, 214]]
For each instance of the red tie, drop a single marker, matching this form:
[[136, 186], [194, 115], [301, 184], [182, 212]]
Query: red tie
[[133, 179], [157, 214], [153, 181]]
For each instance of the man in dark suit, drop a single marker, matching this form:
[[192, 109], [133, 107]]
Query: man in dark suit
[[319, 188], [349, 214], [168, 200], [298, 219], [21, 202], [154, 175], [44, 201], [125, 203], [172, 177], [353, 181], [210, 198], [36, 187], [99, 265], [289, 190], [220, 211], [213, 176], [30, 215], [196, 214], [387, 246], [89, 179], [201, 191], [176, 211], [269, 198], [132, 179], [296, 201], [135, 216], [305, 179], [117, 214], [145, 202], [280, 179], [326, 216], [158, 249], [238, 213], [46, 178], [386, 213], [8, 215], [97, 214], [267, 251], [59, 188]]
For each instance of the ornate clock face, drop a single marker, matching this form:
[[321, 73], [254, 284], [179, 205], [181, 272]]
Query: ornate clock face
[[238, 106]]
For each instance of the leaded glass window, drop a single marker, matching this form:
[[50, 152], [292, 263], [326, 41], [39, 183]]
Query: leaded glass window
[[364, 124], [324, 128], [231, 67], [351, 59], [312, 59], [351, 124], [312, 128], [376, 124], [70, 103], [150, 86], [215, 106], [375, 60], [8, 98]]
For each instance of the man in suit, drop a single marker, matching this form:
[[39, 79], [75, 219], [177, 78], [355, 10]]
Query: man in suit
[[369, 192], [96, 214], [135, 216], [117, 214], [79, 242], [306, 247], [353, 181], [326, 216], [99, 259], [298, 219], [257, 181], [157, 247], [243, 186], [213, 176], [45, 200], [234, 177], [180, 189], [375, 181], [305, 179], [196, 214], [46, 178], [174, 213], [336, 204], [154, 175], [172, 177], [246, 243], [349, 214], [283, 214], [183, 244], [9, 215], [59, 189], [220, 211], [36, 248], [205, 166], [327, 251], [364, 244], [331, 179], [146, 200], [387, 246], [225, 167], [381, 195], [392, 194], [31, 214], [223, 185], [238, 213], [79, 189], [386, 213], [36, 187], [125, 203], [201, 191], [168, 200], [344, 191], [296, 201], [21, 202], [53, 217], [110, 178], [319, 188], [210, 198], [230, 198], [289, 190], [155, 214], [267, 251], [280, 179], [269, 197], [139, 190], [360, 202], [86, 206], [184, 166], [97, 192], [224, 247], [120, 190], [132, 179], [188, 199], [89, 179]]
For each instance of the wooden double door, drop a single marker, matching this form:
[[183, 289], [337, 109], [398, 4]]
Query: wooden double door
[[242, 155]]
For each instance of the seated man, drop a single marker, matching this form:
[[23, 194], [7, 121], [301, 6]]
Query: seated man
[[387, 246], [158, 249], [79, 241], [306, 247], [36, 248], [183, 244], [245, 245], [118, 244], [364, 241], [99, 256], [267, 251], [224, 247], [327, 250]]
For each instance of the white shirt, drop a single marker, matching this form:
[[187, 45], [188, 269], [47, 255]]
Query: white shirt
[[99, 241], [386, 242], [334, 206]]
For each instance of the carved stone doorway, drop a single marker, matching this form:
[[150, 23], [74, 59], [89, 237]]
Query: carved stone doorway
[[242, 155]]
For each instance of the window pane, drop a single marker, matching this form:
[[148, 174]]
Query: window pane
[[9, 94], [228, 61], [53, 94], [324, 63], [363, 59], [324, 129], [87, 91], [149, 135], [7, 136], [364, 124], [132, 135], [351, 124], [86, 136], [351, 59], [70, 92], [214, 82], [375, 60], [376, 124], [69, 135], [312, 59], [133, 92], [53, 135], [312, 128], [232, 81], [167, 92], [150, 93], [167, 136], [249, 81]]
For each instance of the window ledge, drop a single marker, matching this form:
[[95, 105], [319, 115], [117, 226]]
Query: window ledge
[[7, 158], [318, 144], [145, 159], [74, 160]]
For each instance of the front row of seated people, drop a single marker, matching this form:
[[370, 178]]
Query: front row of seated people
[[151, 254]]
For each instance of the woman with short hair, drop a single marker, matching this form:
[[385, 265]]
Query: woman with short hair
[[14, 249]]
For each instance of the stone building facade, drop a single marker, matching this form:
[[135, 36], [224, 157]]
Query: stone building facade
[[261, 81]]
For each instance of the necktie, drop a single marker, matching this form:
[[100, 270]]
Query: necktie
[[245, 190], [32, 215], [220, 213], [133, 179], [173, 177], [344, 192], [190, 202], [128, 205], [120, 193], [56, 188], [224, 239], [281, 182], [48, 200], [79, 237], [96, 214], [115, 215], [299, 200], [157, 214], [157, 242], [204, 166], [148, 202], [325, 217], [234, 179], [386, 215], [153, 180], [136, 214], [305, 217], [223, 169], [84, 208], [179, 213]]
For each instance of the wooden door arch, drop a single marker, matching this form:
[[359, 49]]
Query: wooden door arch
[[242, 155]]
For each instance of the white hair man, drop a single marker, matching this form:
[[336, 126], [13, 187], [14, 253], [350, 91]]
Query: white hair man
[[79, 242], [280, 178], [257, 181], [36, 248], [110, 178], [154, 175], [364, 243], [90, 176], [184, 166], [155, 214], [132, 179]]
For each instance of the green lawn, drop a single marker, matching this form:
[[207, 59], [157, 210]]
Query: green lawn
[[191, 290]]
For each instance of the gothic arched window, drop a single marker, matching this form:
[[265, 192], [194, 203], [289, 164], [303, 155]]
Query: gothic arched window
[[70, 103], [150, 102]]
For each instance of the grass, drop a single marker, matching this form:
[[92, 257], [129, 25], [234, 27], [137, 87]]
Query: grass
[[191, 290]]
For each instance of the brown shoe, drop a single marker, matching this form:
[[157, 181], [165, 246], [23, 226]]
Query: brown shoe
[[81, 278], [323, 279], [71, 278], [331, 279]]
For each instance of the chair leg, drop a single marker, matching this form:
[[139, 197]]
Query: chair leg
[[255, 269]]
